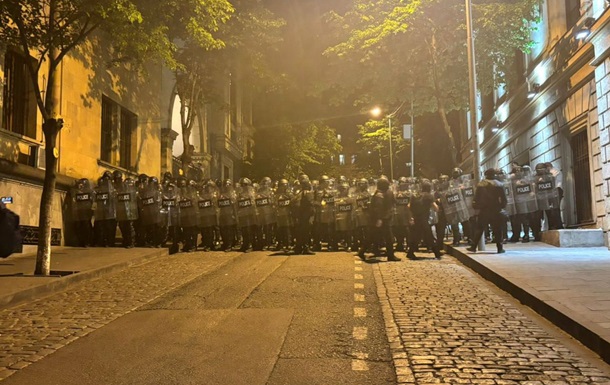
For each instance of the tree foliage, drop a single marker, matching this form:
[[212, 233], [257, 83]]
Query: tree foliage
[[288, 150], [138, 30], [395, 50]]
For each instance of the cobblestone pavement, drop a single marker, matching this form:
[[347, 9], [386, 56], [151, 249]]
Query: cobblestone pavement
[[448, 326], [36, 329]]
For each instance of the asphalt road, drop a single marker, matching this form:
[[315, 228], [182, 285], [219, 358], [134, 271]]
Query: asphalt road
[[256, 319]]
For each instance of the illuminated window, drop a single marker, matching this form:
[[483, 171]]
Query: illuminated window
[[342, 159]]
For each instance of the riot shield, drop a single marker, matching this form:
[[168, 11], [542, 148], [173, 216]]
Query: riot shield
[[170, 212], [82, 201], [284, 209], [105, 200], [127, 201], [187, 202], [467, 188], [546, 191], [246, 207], [208, 207], [265, 205], [525, 193], [227, 215], [507, 184], [402, 198], [150, 204], [453, 203]]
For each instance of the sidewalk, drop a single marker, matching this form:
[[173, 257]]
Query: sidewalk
[[568, 286], [68, 266]]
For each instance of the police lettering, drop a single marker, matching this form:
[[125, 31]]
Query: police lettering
[[469, 192], [454, 198], [363, 202], [330, 200], [82, 197], [284, 202], [124, 197], [345, 207], [262, 202], [402, 201], [545, 186], [245, 203], [224, 203], [103, 197], [524, 189], [169, 203], [186, 204], [148, 201], [205, 204]]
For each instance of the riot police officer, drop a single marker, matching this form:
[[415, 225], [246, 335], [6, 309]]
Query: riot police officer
[[141, 187], [547, 196], [266, 206], [402, 214], [324, 227], [127, 208], [284, 216], [304, 216], [82, 211], [361, 218], [345, 206], [170, 214], [208, 214], [380, 220], [189, 219], [247, 215], [227, 215], [525, 201], [105, 211], [150, 212]]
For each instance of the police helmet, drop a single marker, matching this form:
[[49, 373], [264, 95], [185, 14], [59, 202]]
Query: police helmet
[[383, 184], [142, 178], [107, 175], [245, 182], [117, 176], [456, 173], [490, 173], [403, 180], [181, 181]]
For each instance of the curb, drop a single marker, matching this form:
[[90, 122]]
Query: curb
[[557, 315], [62, 283]]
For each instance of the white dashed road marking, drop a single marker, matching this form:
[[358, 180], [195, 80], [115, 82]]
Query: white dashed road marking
[[359, 297], [359, 286], [359, 312], [358, 276], [360, 333]]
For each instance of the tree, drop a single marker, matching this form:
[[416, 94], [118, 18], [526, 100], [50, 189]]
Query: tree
[[395, 51], [288, 150], [244, 42], [51, 29]]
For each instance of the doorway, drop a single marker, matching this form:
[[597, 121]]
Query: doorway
[[582, 178]]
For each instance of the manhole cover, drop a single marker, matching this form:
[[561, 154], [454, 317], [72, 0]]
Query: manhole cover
[[313, 279]]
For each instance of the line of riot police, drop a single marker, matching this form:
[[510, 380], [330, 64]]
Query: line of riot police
[[305, 215]]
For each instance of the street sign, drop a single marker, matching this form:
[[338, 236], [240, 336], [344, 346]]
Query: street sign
[[407, 131]]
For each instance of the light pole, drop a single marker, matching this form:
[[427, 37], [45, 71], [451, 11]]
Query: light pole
[[376, 112], [474, 124], [412, 141]]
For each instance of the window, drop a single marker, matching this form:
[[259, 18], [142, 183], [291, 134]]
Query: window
[[342, 160], [19, 101], [572, 12], [118, 135]]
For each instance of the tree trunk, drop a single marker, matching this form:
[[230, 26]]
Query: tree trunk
[[51, 128]]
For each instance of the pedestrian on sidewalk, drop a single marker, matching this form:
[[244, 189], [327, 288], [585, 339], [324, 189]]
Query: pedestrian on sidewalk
[[490, 200]]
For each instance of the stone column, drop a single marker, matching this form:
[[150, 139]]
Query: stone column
[[168, 136]]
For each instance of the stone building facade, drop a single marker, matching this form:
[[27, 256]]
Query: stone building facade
[[112, 121], [559, 112]]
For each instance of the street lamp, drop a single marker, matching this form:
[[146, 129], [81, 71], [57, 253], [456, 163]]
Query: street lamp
[[376, 112]]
